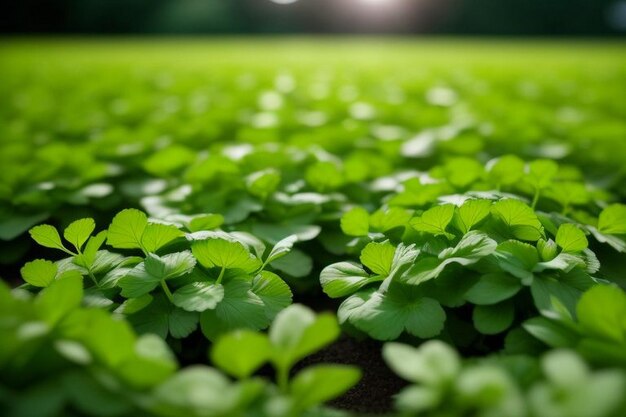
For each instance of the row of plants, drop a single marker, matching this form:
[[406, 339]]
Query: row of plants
[[172, 242]]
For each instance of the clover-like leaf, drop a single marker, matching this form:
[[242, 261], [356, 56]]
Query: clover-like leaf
[[241, 352], [273, 291], [474, 246], [39, 272], [384, 316], [520, 219], [492, 288], [198, 296], [47, 236], [282, 248], [156, 235], [612, 219], [378, 257], [571, 239], [355, 222], [344, 278], [223, 253], [435, 220], [471, 213], [79, 231], [126, 229], [320, 383]]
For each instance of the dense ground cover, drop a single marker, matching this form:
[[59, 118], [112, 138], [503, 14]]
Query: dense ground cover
[[182, 221]]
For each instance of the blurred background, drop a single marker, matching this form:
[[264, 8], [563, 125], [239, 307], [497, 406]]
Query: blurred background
[[544, 18]]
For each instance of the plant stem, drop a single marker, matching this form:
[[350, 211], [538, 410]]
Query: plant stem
[[220, 276], [282, 378], [166, 290], [93, 278], [535, 199]]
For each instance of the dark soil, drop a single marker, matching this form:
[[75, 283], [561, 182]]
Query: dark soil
[[374, 393]]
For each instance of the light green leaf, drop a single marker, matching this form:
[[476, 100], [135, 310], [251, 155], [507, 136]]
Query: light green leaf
[[39, 272], [471, 248], [384, 316], [355, 222], [506, 170], [60, 298], [520, 219], [282, 248], [493, 319], [47, 236], [547, 249], [493, 288], [344, 278], [171, 265], [601, 312], [241, 352], [517, 258], [297, 332], [240, 309], [378, 257], [384, 220], [571, 239], [206, 222], [93, 245], [541, 172], [224, 254], [551, 333], [435, 220], [133, 305], [320, 383], [156, 235], [126, 229], [79, 231], [263, 183], [613, 219], [471, 213], [198, 296], [434, 363], [274, 292]]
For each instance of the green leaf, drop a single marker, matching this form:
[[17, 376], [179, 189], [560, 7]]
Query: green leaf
[[126, 229], [541, 172], [506, 170], [471, 248], [296, 263], [545, 288], [263, 183], [79, 231], [274, 292], [170, 266], [198, 296], [571, 239], [206, 222], [282, 248], [493, 319], [435, 220], [550, 332], [93, 245], [320, 383], [344, 278], [612, 219], [60, 298], [240, 309], [384, 220], [147, 275], [493, 288], [601, 312], [156, 235], [39, 272], [355, 222], [520, 219], [378, 257], [547, 249], [224, 254], [133, 305], [517, 258], [47, 236], [241, 352], [434, 363], [471, 213], [384, 316], [297, 332], [162, 318]]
